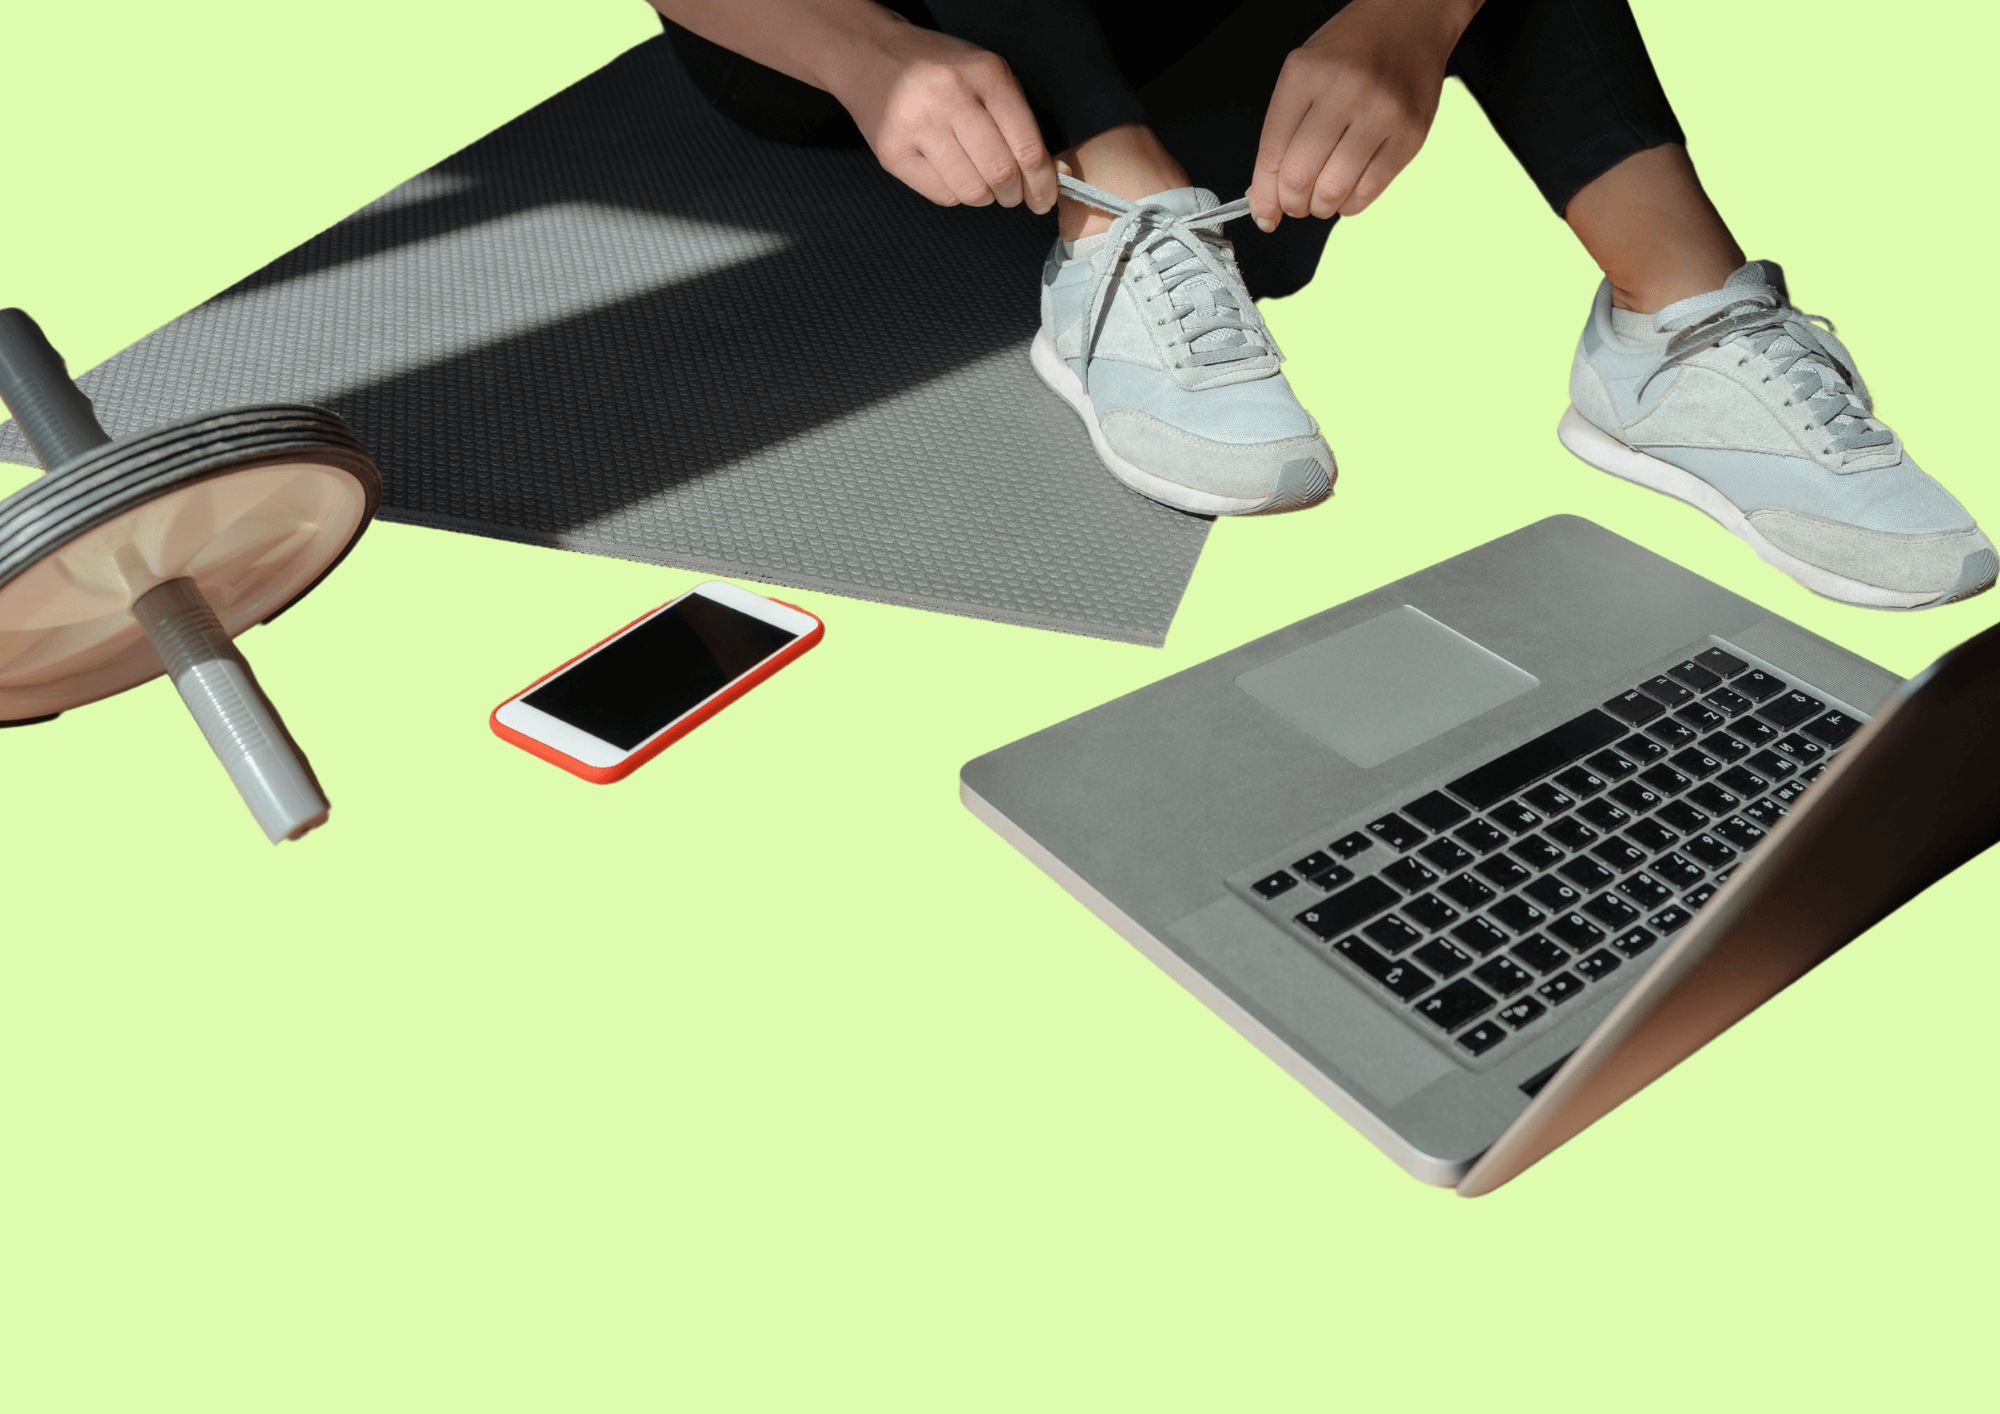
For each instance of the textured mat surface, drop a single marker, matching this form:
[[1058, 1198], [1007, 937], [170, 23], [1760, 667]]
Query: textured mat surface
[[621, 325]]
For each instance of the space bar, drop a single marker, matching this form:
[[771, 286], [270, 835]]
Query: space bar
[[1550, 751]]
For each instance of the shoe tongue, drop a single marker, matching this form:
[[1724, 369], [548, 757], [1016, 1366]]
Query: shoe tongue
[[1185, 201], [1765, 274]]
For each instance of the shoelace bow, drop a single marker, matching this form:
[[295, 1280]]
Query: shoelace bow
[[1177, 250], [1823, 375]]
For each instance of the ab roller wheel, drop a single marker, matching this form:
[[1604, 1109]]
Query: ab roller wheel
[[149, 554]]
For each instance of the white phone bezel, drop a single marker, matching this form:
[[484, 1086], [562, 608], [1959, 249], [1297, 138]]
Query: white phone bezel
[[596, 752]]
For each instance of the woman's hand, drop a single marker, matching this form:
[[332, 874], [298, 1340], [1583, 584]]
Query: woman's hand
[[1352, 106]]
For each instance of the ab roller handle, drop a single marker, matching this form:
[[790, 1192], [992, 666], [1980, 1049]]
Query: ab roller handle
[[239, 721], [53, 414]]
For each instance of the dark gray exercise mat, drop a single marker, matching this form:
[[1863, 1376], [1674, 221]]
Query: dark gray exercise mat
[[621, 325]]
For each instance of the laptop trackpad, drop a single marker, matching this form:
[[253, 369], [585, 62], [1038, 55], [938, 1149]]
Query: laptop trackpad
[[1378, 689]]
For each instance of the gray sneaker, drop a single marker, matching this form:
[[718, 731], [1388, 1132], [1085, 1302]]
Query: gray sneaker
[[1148, 333], [1740, 405]]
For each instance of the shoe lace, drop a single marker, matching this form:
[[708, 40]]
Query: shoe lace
[[1208, 306], [1823, 375]]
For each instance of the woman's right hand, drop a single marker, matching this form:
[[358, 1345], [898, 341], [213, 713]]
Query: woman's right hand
[[944, 117]]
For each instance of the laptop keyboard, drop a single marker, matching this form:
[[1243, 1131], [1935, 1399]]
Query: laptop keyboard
[[1482, 907]]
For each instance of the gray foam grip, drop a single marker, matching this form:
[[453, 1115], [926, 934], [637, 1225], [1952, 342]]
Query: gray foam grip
[[621, 325], [54, 415], [241, 725]]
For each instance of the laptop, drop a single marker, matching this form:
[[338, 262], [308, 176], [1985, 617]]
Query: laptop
[[1478, 855]]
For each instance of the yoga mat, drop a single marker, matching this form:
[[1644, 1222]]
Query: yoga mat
[[621, 325]]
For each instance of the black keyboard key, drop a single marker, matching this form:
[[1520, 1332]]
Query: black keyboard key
[[1442, 958], [1650, 835], [1766, 812], [1519, 1014], [1541, 954], [1709, 850], [1517, 913], [1635, 797], [1436, 811], [1833, 729], [1347, 846], [1674, 734], [1670, 920], [1645, 890], [1677, 870], [1514, 817], [1666, 690], [1790, 791], [1692, 762], [1743, 781], [1724, 747], [1771, 764], [1604, 814], [1612, 911], [1569, 832], [1581, 782], [1314, 863], [1739, 832], [1575, 931], [1633, 941], [1467, 892], [1351, 907], [1333, 878], [1504, 872], [1392, 933], [1553, 894], [1271, 885], [1403, 979], [1504, 975], [1665, 780], [1696, 897], [1728, 703], [1753, 731], [1619, 854], [1695, 675], [1548, 798], [1393, 830], [1535, 852], [1479, 935], [1452, 1006], [1482, 1038], [1757, 685], [1445, 857], [1550, 751], [1681, 817], [1431, 911], [1634, 707], [1586, 874], [1410, 875], [1788, 709], [1480, 836], [1710, 797], [1611, 765], [1700, 717], [1802, 749], [1598, 965], [1642, 749], [1720, 663], [1559, 988]]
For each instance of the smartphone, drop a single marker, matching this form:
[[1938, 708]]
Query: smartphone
[[605, 713]]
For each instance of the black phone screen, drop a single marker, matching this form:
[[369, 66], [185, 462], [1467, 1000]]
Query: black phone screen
[[631, 688]]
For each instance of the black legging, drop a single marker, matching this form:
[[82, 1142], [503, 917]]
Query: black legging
[[1566, 83]]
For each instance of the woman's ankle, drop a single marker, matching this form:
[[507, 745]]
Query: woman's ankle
[[1653, 231], [1128, 161]]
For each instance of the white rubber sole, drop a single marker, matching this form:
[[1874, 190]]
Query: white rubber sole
[[1057, 374], [1596, 447]]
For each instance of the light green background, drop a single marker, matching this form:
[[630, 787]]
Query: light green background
[[769, 1079]]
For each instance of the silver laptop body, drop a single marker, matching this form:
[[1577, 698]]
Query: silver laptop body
[[1479, 854]]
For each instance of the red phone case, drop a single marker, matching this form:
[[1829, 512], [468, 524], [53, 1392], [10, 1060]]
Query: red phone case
[[605, 775]]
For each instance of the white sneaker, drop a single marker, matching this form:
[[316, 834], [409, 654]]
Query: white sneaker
[[1148, 333], [1738, 404]]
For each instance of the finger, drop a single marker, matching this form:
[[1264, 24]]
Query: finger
[[1343, 168], [1015, 121], [916, 173], [1291, 100], [1320, 134], [942, 149], [984, 146], [1390, 159]]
